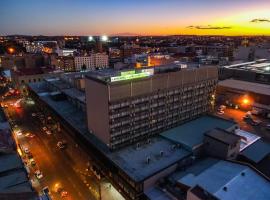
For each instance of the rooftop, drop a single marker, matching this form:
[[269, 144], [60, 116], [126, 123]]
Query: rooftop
[[191, 134], [247, 138], [135, 167], [13, 178], [246, 86], [257, 151], [138, 168], [260, 66], [225, 180], [223, 136]]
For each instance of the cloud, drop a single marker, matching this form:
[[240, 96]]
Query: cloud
[[260, 20], [209, 27]]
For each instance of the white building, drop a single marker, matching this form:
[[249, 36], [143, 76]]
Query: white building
[[65, 52], [98, 60]]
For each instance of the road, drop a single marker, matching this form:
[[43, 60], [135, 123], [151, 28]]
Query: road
[[65, 168]]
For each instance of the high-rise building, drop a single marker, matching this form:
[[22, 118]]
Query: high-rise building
[[138, 104], [96, 60]]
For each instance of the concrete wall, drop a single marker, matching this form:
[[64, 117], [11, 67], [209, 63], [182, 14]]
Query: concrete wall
[[97, 109], [215, 148], [152, 180]]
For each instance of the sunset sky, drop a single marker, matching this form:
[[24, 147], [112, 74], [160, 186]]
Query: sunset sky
[[132, 17]]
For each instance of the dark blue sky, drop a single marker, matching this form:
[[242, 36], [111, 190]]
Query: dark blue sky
[[87, 17]]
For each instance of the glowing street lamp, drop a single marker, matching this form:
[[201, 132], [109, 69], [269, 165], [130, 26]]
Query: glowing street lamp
[[90, 38], [104, 38], [11, 50]]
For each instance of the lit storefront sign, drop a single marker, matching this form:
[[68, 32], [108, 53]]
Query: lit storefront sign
[[128, 75]]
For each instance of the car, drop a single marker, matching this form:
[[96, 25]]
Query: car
[[26, 150], [268, 127], [34, 114], [18, 133], [48, 132], [46, 190], [44, 128], [61, 144], [220, 112], [247, 116], [30, 135], [32, 162], [38, 174], [64, 194]]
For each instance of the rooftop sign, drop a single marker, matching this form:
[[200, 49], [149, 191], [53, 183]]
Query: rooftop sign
[[132, 74]]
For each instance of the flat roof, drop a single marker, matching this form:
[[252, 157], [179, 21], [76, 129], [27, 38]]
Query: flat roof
[[241, 182], [223, 136], [257, 88], [191, 134], [135, 167], [257, 151], [155, 193], [133, 160], [247, 138], [13, 177]]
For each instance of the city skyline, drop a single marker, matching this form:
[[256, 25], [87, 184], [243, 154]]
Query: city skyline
[[135, 17]]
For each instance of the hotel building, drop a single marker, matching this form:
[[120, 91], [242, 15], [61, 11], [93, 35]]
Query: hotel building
[[134, 105]]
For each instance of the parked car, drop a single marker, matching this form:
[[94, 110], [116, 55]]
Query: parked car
[[46, 190], [33, 162], [220, 112], [48, 132], [29, 135], [44, 128], [61, 144], [38, 174], [26, 150], [34, 114]]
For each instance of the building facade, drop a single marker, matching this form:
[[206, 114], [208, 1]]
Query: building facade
[[136, 109], [97, 60]]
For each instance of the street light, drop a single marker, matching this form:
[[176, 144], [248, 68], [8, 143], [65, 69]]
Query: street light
[[104, 38], [11, 50], [90, 38]]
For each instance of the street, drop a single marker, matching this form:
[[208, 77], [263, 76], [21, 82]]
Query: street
[[64, 171]]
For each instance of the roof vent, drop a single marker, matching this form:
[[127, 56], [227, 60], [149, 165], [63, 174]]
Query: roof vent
[[225, 188], [173, 147], [243, 173], [148, 159], [161, 153]]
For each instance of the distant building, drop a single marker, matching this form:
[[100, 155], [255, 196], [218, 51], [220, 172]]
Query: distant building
[[148, 100], [66, 52], [65, 63], [24, 76], [93, 61]]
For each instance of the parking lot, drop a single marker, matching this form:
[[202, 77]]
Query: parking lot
[[238, 116]]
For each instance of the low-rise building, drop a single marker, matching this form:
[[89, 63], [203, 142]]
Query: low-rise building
[[93, 61]]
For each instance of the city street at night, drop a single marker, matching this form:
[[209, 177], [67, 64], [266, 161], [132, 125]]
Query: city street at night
[[63, 170]]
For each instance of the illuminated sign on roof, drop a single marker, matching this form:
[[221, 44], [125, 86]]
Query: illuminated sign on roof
[[132, 74]]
